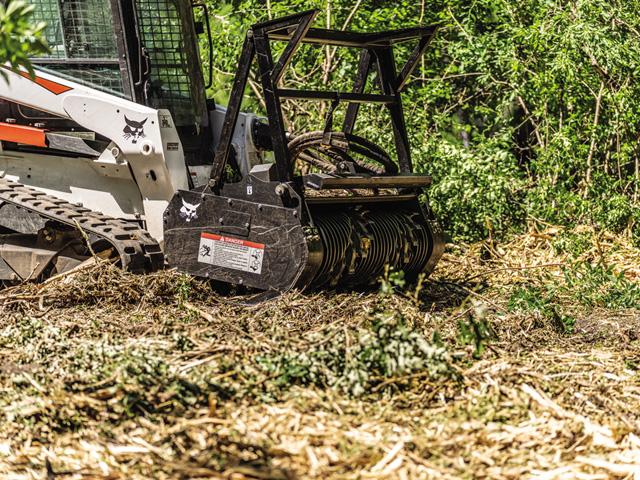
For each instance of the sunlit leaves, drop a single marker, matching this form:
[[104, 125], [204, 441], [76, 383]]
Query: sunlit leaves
[[19, 38]]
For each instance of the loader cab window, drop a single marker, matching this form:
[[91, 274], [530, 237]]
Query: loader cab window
[[83, 42], [142, 50], [175, 80]]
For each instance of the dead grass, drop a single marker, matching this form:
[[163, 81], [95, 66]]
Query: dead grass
[[112, 376]]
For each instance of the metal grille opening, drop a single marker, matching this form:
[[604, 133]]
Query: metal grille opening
[[48, 11], [106, 78], [83, 44], [166, 35]]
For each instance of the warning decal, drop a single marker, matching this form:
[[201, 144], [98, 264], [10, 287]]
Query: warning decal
[[231, 253]]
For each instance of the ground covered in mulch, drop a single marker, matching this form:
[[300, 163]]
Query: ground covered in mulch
[[519, 359]]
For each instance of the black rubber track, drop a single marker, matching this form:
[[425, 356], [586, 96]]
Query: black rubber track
[[139, 252]]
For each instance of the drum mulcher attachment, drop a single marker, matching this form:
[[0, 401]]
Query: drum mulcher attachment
[[275, 230]]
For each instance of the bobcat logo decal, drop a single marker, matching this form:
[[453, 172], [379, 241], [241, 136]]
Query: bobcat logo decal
[[134, 130], [189, 211]]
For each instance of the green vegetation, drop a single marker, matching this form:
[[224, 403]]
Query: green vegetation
[[541, 301], [382, 351], [519, 109], [109, 374], [476, 331], [601, 286], [582, 284], [19, 38]]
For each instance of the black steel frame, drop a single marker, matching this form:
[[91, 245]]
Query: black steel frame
[[376, 52]]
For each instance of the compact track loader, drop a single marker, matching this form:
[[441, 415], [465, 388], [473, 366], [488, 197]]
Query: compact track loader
[[113, 150]]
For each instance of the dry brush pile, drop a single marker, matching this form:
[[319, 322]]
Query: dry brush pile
[[514, 360]]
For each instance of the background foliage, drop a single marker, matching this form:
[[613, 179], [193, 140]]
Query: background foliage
[[19, 37], [519, 110]]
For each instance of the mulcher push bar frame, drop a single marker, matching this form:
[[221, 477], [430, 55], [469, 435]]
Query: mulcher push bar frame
[[376, 51]]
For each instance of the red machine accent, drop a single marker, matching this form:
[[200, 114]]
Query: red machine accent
[[23, 134], [53, 87]]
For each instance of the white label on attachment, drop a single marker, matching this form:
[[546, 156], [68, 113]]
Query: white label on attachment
[[231, 253]]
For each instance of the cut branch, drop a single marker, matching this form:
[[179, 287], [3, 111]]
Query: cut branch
[[592, 148]]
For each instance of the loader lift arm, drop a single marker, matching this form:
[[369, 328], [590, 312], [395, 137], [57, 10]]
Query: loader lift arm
[[143, 137]]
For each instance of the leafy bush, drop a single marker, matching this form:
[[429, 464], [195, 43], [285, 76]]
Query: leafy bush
[[601, 286], [478, 190], [582, 283], [572, 243], [543, 301], [385, 348], [19, 39]]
